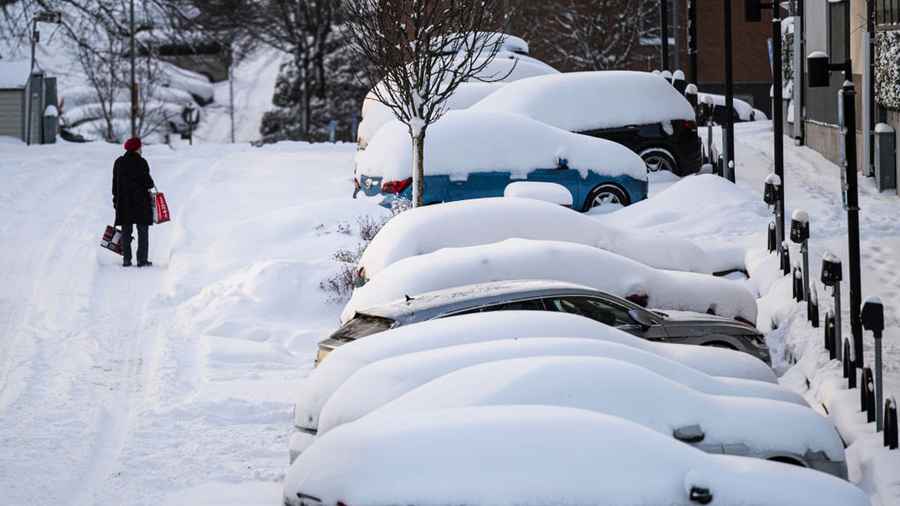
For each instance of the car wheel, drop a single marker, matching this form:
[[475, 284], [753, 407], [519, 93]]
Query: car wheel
[[658, 159], [606, 196]]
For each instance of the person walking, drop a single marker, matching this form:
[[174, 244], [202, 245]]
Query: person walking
[[131, 186]]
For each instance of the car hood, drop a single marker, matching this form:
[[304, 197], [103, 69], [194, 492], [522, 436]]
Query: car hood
[[705, 320]]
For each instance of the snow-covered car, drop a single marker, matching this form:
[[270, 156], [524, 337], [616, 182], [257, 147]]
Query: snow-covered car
[[637, 109], [541, 456], [525, 259], [677, 327], [332, 372], [458, 224], [380, 382], [715, 110], [472, 155], [759, 428]]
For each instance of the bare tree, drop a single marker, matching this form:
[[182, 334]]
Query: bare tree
[[588, 34], [420, 51]]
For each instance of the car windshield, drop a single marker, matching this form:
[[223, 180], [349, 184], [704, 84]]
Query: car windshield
[[362, 325]]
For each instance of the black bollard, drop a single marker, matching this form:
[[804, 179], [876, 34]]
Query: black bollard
[[785, 258], [867, 395], [829, 336], [890, 423], [771, 242], [798, 283], [849, 371], [812, 307]]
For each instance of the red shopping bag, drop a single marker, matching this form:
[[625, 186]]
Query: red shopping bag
[[160, 208], [112, 239]]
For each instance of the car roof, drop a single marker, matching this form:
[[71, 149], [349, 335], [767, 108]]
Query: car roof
[[461, 297]]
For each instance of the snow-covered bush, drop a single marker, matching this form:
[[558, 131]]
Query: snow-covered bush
[[887, 69], [341, 284]]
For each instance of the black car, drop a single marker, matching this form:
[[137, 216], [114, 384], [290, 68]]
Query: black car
[[669, 326], [639, 110]]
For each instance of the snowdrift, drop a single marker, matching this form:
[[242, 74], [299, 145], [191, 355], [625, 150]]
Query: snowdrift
[[538, 455], [462, 142], [481, 327], [579, 101], [515, 259], [385, 380], [483, 221]]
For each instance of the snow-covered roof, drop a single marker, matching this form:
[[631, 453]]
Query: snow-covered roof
[[14, 74], [537, 455], [385, 380], [580, 101], [480, 327], [489, 220], [462, 142], [632, 392], [521, 259]]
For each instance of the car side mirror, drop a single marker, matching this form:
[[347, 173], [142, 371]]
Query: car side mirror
[[689, 434], [640, 317]]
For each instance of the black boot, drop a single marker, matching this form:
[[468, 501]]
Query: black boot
[[146, 263]]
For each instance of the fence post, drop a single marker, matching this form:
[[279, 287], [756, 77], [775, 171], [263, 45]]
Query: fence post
[[771, 237], [872, 316], [849, 370], [829, 335]]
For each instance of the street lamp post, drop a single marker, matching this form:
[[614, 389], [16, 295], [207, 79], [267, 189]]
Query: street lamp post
[[692, 40], [753, 13], [134, 90], [664, 32], [729, 98], [819, 69], [54, 17]]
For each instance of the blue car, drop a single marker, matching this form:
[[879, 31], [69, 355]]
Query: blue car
[[470, 155], [593, 191]]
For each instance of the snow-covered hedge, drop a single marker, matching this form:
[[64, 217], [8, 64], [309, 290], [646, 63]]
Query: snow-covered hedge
[[887, 69], [462, 142], [381, 382], [484, 221], [559, 261]]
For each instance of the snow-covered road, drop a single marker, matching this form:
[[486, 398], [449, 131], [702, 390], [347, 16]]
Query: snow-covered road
[[166, 385]]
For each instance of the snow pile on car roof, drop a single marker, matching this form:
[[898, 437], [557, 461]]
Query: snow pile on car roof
[[580, 101], [537, 455], [462, 142], [474, 328], [515, 259], [385, 380], [631, 392], [483, 221], [375, 114]]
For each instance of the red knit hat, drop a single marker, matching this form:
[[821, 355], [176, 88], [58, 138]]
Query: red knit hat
[[133, 144]]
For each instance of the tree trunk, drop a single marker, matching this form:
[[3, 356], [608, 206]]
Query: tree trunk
[[418, 175]]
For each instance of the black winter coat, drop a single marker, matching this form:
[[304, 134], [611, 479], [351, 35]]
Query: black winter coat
[[130, 188]]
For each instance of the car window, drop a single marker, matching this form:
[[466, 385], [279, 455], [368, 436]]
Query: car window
[[362, 325], [519, 305], [595, 309]]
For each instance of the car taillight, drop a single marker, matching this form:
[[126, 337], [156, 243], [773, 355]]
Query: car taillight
[[690, 126], [395, 186]]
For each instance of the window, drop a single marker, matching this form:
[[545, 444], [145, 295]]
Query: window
[[519, 305], [595, 309]]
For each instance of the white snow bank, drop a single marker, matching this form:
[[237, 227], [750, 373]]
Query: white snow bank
[[515, 259], [579, 101], [385, 380], [475, 328], [548, 192], [466, 141], [719, 215], [631, 392], [489, 220], [538, 456]]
